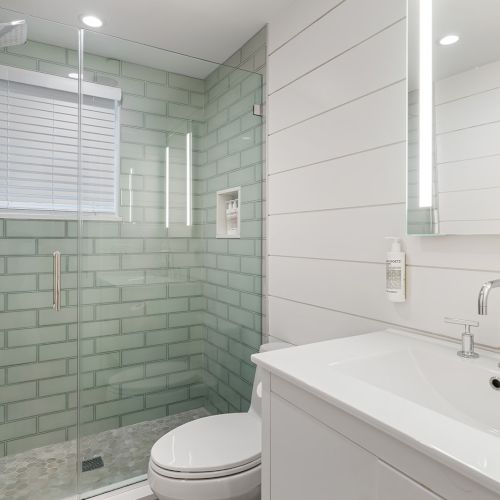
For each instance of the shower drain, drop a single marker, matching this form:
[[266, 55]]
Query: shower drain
[[92, 463]]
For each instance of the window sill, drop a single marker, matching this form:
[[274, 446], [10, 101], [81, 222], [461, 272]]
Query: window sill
[[63, 216]]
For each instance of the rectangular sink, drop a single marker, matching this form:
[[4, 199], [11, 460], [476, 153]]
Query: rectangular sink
[[435, 378]]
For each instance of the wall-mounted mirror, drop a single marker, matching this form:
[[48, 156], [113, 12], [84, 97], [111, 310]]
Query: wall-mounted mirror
[[453, 117]]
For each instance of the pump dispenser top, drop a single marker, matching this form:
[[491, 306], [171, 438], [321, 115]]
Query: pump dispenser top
[[396, 243]]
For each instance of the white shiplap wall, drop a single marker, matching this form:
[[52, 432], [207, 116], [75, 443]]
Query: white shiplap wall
[[337, 184]]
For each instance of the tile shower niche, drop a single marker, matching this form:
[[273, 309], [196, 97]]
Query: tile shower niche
[[228, 213]]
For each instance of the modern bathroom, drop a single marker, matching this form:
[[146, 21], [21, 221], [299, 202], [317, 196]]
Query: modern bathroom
[[242, 252]]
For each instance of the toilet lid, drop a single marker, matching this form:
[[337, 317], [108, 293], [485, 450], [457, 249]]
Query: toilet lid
[[210, 444]]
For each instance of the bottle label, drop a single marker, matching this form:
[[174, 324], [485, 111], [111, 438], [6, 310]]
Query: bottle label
[[393, 278]]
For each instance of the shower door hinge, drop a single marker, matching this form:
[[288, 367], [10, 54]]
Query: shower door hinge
[[258, 110]]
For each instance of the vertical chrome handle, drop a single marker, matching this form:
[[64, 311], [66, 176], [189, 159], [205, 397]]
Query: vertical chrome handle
[[57, 280]]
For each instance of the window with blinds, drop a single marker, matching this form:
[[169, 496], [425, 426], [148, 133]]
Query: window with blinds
[[39, 148]]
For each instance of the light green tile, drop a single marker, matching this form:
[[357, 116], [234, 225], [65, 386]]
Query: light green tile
[[143, 416], [167, 336], [241, 282], [166, 397], [99, 262], [144, 354], [145, 323], [61, 350], [36, 371], [18, 283], [119, 375], [92, 428], [26, 264], [119, 342], [186, 82], [167, 305], [185, 378], [142, 136], [13, 246], [99, 362], [165, 123], [17, 392], [33, 229], [29, 443], [92, 229], [144, 105], [104, 410], [184, 289], [166, 93], [119, 311], [183, 319], [99, 295], [32, 300], [63, 316], [144, 73], [98, 395], [185, 348], [118, 245], [14, 430], [34, 407], [144, 292], [144, 386], [57, 385], [191, 404], [166, 367], [99, 328], [57, 420], [17, 355]]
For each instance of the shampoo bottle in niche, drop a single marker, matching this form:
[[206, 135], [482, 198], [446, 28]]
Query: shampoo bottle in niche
[[395, 272]]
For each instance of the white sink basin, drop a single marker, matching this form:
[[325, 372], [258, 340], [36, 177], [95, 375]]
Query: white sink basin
[[434, 377], [412, 387]]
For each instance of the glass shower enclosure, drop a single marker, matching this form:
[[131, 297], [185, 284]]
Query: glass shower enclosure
[[127, 305]]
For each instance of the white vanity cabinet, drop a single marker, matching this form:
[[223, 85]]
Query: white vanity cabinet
[[313, 450], [312, 461]]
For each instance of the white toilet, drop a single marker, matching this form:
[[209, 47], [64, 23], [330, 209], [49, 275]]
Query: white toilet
[[212, 458]]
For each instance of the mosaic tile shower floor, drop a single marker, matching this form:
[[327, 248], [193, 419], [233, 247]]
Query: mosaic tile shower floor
[[48, 473]]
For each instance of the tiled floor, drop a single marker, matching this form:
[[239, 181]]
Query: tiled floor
[[48, 473]]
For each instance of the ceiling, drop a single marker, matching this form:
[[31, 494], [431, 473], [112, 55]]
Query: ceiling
[[475, 22], [207, 29]]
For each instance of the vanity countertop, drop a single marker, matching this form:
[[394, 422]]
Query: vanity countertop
[[413, 387]]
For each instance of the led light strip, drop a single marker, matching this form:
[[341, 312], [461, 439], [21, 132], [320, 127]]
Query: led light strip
[[426, 125], [167, 186], [189, 180]]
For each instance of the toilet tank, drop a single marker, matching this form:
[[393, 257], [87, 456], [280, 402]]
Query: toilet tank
[[256, 403]]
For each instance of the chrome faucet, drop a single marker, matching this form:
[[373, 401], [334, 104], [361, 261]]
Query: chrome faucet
[[467, 350], [482, 301]]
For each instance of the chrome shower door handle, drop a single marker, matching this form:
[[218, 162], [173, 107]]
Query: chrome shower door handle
[[57, 280]]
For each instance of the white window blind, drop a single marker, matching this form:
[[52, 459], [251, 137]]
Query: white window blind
[[39, 148]]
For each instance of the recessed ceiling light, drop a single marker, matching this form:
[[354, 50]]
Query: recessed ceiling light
[[73, 75], [91, 21], [449, 40]]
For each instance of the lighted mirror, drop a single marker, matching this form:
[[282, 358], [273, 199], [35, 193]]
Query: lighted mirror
[[453, 117]]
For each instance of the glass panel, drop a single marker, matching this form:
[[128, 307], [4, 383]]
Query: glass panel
[[170, 313], [38, 347]]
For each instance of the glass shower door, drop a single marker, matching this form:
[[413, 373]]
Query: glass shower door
[[38, 261]]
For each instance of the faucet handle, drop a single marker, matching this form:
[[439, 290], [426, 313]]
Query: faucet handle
[[465, 322]]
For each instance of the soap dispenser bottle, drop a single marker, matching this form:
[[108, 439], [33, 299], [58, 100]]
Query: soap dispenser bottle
[[395, 272]]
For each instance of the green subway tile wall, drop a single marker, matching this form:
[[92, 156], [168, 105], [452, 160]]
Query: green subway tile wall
[[168, 318], [234, 270]]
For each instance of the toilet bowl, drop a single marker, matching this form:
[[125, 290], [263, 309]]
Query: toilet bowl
[[212, 458]]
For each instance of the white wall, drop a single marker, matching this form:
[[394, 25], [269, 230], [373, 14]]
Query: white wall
[[337, 184]]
